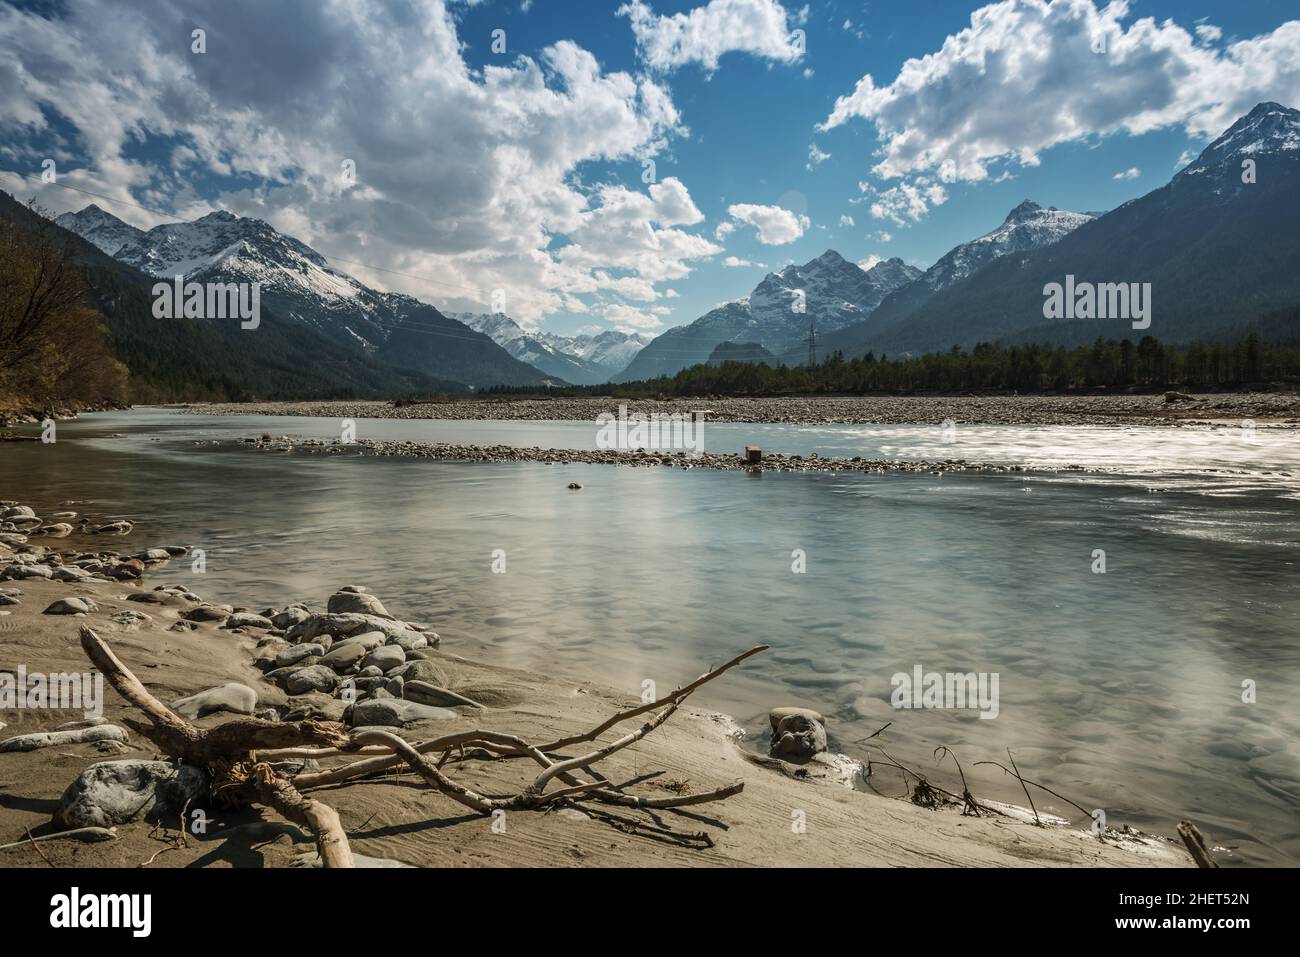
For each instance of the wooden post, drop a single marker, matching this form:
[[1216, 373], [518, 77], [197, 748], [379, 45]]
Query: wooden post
[[753, 454]]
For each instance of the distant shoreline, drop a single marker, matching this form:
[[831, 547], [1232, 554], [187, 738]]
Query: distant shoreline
[[1263, 408]]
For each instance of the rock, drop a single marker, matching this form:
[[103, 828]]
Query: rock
[[395, 712], [343, 602], [394, 686], [129, 570], [575, 486], [26, 571], [206, 613], [296, 653], [347, 625], [9, 600], [69, 573], [115, 528], [71, 606], [182, 626], [776, 714], [17, 511], [411, 641], [233, 697], [311, 678], [290, 617], [45, 739], [385, 658], [427, 671], [154, 555], [371, 672], [343, 655], [425, 693], [130, 619], [57, 530], [369, 640], [246, 619], [798, 736], [118, 792]]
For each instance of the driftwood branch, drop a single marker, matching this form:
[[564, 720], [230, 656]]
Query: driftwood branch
[[236, 756], [1196, 844]]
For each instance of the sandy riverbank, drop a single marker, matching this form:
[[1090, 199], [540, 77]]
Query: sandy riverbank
[[1131, 410], [398, 818]]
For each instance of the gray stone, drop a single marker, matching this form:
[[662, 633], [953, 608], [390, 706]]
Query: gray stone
[[71, 606], [798, 736], [296, 653], [425, 693], [232, 697], [45, 739], [343, 602], [395, 712], [385, 658], [776, 714], [117, 792], [411, 641], [343, 655], [422, 670], [290, 617], [206, 613], [311, 678], [246, 619]]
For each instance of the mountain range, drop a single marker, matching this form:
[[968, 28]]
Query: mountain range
[[583, 360], [829, 291], [298, 285]]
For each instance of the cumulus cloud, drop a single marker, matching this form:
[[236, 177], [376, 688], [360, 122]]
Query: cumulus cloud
[[1131, 173], [1024, 77], [846, 220], [906, 201], [704, 34], [872, 260], [464, 178], [734, 262], [776, 225]]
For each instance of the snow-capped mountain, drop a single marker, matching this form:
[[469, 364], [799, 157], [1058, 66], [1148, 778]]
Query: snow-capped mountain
[[1028, 226], [1270, 129], [298, 284], [583, 359], [828, 292], [100, 228], [1217, 246]]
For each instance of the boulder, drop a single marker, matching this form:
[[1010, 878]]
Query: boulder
[[776, 714], [798, 736], [395, 712], [233, 697], [312, 678], [343, 602], [71, 606], [296, 653], [290, 617], [206, 613], [118, 792], [342, 656], [385, 658], [428, 671]]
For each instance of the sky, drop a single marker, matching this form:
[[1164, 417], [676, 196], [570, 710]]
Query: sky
[[585, 165]]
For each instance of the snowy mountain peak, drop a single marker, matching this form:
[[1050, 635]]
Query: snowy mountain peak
[[584, 359], [100, 228], [1028, 226], [1268, 129], [1025, 211]]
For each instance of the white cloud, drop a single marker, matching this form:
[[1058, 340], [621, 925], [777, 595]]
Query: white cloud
[[1185, 157], [1131, 173], [865, 264], [1208, 33], [884, 236], [906, 201], [846, 220], [816, 156], [463, 177], [950, 109], [776, 225], [628, 319], [733, 262], [703, 35]]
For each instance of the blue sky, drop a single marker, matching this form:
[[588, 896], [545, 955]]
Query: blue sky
[[520, 173]]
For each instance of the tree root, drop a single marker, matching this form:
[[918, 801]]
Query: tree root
[[236, 756]]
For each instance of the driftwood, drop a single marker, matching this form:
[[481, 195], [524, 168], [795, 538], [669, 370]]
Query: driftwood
[[1196, 844], [237, 756]]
